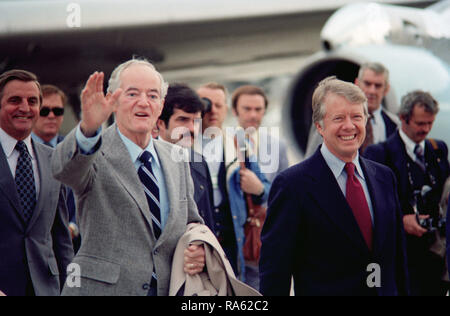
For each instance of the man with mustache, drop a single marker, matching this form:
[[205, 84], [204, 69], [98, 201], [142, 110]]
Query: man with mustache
[[421, 167], [179, 124]]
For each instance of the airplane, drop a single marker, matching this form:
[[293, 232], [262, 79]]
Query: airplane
[[413, 43], [233, 41]]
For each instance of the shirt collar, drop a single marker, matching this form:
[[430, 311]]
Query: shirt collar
[[135, 151], [9, 144], [410, 145], [376, 116], [337, 165], [53, 141]]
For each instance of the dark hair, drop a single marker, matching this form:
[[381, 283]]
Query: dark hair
[[21, 75], [180, 96], [248, 89], [48, 89]]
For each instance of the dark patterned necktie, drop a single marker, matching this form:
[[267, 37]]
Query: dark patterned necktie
[[151, 189], [25, 181], [357, 200], [420, 158]]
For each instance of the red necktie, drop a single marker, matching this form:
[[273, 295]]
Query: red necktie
[[358, 203]]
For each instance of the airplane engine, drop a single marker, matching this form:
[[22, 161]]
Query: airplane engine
[[410, 68]]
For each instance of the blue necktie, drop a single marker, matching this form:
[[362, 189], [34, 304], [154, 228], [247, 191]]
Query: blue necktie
[[151, 189], [420, 159], [25, 181]]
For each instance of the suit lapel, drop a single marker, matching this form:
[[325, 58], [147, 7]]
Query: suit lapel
[[8, 185], [376, 187], [170, 172], [335, 204], [116, 153]]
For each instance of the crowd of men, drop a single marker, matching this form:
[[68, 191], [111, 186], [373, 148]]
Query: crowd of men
[[363, 215]]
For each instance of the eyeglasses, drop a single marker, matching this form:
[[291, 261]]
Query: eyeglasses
[[45, 111]]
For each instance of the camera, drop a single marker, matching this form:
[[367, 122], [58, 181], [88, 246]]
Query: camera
[[430, 224], [207, 106]]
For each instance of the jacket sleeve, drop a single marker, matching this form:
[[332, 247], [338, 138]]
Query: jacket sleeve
[[193, 215], [402, 273], [448, 235], [68, 160], [279, 239]]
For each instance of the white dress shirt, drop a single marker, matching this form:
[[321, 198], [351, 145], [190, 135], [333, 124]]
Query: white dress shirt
[[337, 166], [378, 126], [8, 144], [213, 153], [411, 145]]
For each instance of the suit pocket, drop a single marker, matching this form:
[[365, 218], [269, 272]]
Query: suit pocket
[[53, 266], [98, 269]]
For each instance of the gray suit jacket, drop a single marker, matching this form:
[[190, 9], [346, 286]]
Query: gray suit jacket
[[118, 249], [37, 253]]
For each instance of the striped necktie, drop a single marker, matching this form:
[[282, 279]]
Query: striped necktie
[[151, 189], [25, 181], [420, 159]]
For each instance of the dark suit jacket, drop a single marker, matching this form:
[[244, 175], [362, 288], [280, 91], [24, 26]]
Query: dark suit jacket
[[311, 231], [391, 127], [203, 191], [448, 236], [392, 153], [40, 251]]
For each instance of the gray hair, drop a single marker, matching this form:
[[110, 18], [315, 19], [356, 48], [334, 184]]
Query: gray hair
[[377, 68], [417, 98], [344, 89], [114, 80]]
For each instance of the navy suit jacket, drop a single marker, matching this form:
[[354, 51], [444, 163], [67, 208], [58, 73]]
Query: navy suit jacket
[[391, 127], [203, 191], [311, 231], [392, 153], [448, 237]]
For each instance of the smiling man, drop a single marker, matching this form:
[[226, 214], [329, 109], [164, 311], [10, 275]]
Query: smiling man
[[135, 201], [35, 242], [335, 215]]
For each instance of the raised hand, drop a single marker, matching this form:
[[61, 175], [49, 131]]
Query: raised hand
[[96, 107]]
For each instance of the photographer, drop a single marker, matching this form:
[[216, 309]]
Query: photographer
[[421, 167]]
